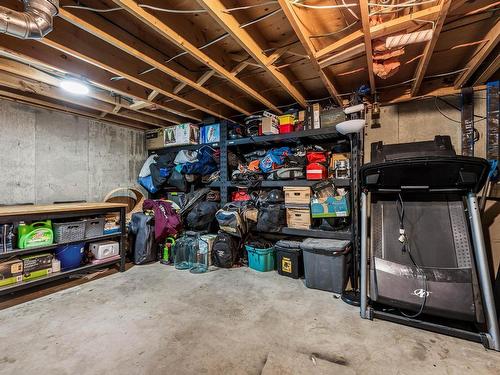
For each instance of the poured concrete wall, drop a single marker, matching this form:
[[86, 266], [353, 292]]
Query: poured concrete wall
[[420, 121], [48, 156]]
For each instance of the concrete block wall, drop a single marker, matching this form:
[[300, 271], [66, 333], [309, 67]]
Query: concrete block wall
[[48, 156]]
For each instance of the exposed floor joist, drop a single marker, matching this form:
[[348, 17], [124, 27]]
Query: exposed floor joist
[[429, 48], [365, 21], [98, 28], [23, 70], [117, 68], [303, 36], [36, 54], [171, 35], [39, 88], [65, 109], [481, 53], [219, 12], [383, 29]]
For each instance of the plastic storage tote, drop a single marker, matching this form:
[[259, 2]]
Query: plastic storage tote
[[259, 259], [70, 256], [326, 263], [289, 259]]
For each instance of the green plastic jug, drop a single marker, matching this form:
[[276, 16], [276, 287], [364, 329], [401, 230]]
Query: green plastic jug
[[36, 234]]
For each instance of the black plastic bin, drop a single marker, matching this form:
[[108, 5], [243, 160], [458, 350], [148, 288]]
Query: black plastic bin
[[326, 263], [289, 259]]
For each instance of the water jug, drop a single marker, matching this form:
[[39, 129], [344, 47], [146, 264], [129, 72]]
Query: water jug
[[183, 248]]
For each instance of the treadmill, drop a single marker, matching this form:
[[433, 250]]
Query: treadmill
[[423, 259]]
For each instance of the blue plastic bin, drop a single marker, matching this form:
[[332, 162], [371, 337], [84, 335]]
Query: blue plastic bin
[[70, 255], [262, 260]]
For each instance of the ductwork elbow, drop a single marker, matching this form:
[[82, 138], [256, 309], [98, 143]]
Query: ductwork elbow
[[34, 23]]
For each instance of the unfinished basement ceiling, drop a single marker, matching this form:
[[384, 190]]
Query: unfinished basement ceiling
[[186, 60]]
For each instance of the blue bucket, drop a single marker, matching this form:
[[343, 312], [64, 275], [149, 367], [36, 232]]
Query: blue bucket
[[70, 255]]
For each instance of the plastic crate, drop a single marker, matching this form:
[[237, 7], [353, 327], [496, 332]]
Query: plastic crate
[[262, 260], [69, 232], [94, 227]]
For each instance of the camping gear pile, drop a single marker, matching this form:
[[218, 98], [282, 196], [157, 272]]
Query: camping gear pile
[[286, 163], [180, 170]]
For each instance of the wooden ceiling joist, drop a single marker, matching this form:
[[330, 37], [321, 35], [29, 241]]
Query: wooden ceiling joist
[[37, 102], [480, 54], [99, 29], [219, 12], [117, 68], [303, 36], [29, 72], [54, 92], [383, 29], [488, 72], [365, 21], [163, 29], [429, 48], [38, 54]]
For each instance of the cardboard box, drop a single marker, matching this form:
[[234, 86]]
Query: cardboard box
[[297, 195], [182, 134], [316, 116], [330, 207], [299, 218], [210, 133], [37, 274], [155, 139], [37, 262], [270, 126], [11, 272]]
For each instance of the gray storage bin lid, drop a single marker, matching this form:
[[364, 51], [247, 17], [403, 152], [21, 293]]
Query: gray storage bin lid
[[325, 246], [288, 245]]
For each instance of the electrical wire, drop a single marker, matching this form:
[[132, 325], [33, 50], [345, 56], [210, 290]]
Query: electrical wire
[[442, 113], [92, 9], [297, 3], [249, 6], [403, 237], [260, 18], [333, 32], [178, 11]]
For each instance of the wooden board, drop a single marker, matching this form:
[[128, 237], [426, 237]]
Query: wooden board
[[57, 208]]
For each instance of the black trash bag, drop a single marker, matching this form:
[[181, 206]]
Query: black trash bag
[[271, 218], [143, 245], [202, 216], [226, 250]]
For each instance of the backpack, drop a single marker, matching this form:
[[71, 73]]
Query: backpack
[[230, 220], [225, 251], [271, 218]]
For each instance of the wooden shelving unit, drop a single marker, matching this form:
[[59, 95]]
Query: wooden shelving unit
[[11, 214]]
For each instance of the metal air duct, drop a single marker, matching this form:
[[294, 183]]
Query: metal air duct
[[34, 23]]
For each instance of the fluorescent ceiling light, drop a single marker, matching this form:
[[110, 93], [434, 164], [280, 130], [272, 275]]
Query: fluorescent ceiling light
[[74, 86]]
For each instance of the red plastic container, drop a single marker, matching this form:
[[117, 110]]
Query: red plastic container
[[316, 171], [286, 128]]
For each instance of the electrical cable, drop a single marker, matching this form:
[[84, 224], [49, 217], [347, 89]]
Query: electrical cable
[[333, 32], [403, 238], [178, 11], [260, 18], [249, 6], [297, 3]]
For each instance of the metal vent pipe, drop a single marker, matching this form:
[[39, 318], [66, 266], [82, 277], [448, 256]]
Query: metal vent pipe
[[34, 23]]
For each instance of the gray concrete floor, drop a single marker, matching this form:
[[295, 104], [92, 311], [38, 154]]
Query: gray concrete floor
[[156, 320]]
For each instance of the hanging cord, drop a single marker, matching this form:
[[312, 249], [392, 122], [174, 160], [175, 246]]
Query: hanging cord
[[403, 238]]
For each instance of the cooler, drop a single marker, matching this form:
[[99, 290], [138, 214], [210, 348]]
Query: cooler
[[289, 259]]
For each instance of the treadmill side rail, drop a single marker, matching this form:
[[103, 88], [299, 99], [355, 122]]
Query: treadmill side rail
[[483, 273]]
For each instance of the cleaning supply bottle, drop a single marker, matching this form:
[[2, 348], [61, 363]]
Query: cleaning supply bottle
[[22, 230]]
